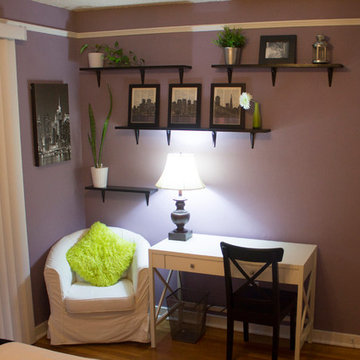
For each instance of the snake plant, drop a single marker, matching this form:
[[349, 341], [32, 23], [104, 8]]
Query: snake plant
[[92, 136]]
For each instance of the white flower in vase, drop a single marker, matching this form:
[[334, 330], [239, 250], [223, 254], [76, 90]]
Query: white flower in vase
[[245, 100]]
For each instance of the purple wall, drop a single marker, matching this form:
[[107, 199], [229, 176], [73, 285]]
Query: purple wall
[[299, 183], [53, 194]]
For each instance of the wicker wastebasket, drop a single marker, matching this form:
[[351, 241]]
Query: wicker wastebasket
[[187, 315]]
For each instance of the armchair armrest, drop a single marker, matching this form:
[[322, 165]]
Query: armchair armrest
[[138, 271], [58, 274]]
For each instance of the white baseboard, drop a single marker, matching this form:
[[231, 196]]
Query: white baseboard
[[41, 330], [216, 321], [319, 336]]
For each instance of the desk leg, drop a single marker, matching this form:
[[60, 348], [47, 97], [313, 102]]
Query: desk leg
[[312, 298], [298, 319], [152, 306]]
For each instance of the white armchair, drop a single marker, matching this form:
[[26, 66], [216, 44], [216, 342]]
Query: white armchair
[[82, 313]]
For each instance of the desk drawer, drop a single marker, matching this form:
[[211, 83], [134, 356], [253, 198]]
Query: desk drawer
[[200, 266]]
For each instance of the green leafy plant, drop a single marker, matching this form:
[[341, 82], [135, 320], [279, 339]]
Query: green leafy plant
[[115, 55], [230, 38], [94, 48], [92, 136]]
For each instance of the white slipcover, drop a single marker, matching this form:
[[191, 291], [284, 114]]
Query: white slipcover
[[82, 313]]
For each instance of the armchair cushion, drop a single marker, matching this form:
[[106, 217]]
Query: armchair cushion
[[101, 256], [84, 298]]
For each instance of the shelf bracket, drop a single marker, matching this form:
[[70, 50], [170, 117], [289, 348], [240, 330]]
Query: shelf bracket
[[142, 75], [229, 72], [137, 135], [273, 75], [98, 77], [103, 195], [181, 74], [147, 197], [330, 75], [214, 137], [168, 136]]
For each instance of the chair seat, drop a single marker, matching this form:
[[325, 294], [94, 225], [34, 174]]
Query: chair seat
[[82, 297]]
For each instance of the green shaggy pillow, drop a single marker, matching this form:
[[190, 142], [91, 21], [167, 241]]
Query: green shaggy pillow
[[100, 257]]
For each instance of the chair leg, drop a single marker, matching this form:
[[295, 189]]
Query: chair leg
[[275, 342], [246, 331], [229, 338], [292, 328]]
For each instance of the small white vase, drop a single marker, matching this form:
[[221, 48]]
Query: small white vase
[[99, 176], [96, 59]]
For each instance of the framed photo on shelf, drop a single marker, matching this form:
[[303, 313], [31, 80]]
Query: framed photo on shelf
[[184, 105], [51, 123], [277, 49], [225, 109], [144, 104]]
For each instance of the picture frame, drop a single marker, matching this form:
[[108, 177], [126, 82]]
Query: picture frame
[[51, 123], [184, 105], [225, 109], [144, 105], [277, 49]]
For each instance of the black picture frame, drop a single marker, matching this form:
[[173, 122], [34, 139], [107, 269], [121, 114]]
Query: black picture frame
[[144, 105], [184, 105], [51, 123], [277, 49], [225, 109]]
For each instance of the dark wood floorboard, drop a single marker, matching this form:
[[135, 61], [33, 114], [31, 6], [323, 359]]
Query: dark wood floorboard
[[210, 347]]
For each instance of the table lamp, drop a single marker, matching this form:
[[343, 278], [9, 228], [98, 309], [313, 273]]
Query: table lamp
[[180, 173]]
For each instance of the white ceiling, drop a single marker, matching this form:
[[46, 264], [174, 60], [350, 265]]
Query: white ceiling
[[90, 4]]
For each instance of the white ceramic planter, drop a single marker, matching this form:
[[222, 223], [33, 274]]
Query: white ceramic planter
[[96, 59], [99, 176]]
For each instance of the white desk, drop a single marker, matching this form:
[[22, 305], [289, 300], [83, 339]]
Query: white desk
[[202, 254]]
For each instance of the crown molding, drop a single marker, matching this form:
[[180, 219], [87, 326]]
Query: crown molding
[[181, 28], [12, 32]]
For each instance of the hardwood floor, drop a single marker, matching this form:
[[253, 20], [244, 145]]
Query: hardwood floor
[[210, 347]]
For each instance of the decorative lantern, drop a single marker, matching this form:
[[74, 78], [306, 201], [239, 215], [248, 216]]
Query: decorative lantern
[[320, 51]]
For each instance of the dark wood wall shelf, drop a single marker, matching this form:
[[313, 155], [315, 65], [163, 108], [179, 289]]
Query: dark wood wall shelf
[[251, 132], [142, 190], [273, 67], [141, 68]]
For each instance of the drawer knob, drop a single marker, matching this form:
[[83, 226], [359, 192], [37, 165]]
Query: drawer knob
[[192, 266]]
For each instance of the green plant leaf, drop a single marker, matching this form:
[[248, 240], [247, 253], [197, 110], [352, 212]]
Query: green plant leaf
[[92, 135], [83, 48], [105, 127]]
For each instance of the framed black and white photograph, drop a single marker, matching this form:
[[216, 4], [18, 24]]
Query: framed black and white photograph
[[184, 105], [51, 123], [225, 109], [277, 49], [144, 103]]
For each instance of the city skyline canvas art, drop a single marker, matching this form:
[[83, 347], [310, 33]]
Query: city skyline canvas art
[[51, 123]]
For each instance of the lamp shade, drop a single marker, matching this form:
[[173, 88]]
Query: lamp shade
[[180, 173]]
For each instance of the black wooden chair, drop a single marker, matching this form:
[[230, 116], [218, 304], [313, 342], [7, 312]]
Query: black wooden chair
[[251, 301]]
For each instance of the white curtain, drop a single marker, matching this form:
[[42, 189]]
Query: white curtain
[[16, 308]]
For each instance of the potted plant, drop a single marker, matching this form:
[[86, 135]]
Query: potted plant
[[232, 41], [95, 55], [115, 55], [99, 173]]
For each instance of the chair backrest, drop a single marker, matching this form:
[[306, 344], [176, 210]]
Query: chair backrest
[[249, 289]]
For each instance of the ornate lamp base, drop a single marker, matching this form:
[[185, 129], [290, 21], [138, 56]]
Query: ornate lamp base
[[180, 217]]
